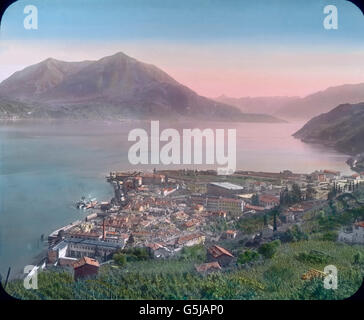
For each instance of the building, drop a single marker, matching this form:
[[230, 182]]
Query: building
[[57, 251], [249, 207], [220, 255], [225, 189], [157, 250], [268, 201], [229, 205], [85, 267], [79, 248], [190, 240], [353, 235], [153, 178], [230, 234]]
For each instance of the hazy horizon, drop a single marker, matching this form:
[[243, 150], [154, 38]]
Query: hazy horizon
[[228, 48]]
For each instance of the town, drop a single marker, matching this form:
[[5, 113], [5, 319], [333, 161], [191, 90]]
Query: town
[[163, 212]]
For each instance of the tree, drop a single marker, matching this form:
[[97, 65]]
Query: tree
[[268, 250], [275, 212], [296, 193], [130, 241], [332, 194], [247, 256], [310, 193], [357, 258], [255, 200], [285, 198], [120, 259]]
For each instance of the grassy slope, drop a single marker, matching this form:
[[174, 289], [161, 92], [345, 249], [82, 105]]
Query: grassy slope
[[278, 278]]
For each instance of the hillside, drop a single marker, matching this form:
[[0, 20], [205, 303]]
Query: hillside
[[341, 128], [114, 86], [264, 105], [321, 102]]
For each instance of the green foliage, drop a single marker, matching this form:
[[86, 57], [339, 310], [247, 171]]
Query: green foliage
[[276, 275], [358, 258], [255, 199], [313, 257], [135, 254], [296, 193], [268, 250], [329, 236], [197, 252], [276, 278], [289, 197], [120, 259], [250, 225], [247, 256], [310, 193], [293, 234]]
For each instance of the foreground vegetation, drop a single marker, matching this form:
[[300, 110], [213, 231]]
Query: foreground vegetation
[[277, 277]]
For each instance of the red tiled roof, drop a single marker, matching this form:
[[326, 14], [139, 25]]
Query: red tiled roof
[[217, 251], [188, 237], [268, 198], [257, 208], [86, 260], [331, 172]]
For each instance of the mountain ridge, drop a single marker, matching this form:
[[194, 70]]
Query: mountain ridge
[[115, 85], [321, 102], [341, 128]]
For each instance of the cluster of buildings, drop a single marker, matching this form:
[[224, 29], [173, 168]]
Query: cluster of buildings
[[353, 235], [159, 212]]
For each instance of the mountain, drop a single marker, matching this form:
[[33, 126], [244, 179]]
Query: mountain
[[265, 105], [114, 86], [322, 101], [341, 128], [35, 80]]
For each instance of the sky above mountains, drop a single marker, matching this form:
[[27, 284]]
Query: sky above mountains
[[237, 48]]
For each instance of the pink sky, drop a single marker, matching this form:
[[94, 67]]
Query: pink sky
[[234, 70]]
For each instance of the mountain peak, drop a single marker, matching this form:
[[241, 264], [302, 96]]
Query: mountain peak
[[114, 85], [50, 61]]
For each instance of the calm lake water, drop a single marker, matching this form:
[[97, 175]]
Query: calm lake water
[[45, 167]]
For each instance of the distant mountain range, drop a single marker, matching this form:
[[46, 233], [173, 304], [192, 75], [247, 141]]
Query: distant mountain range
[[116, 86], [264, 105], [341, 128], [322, 102], [296, 108]]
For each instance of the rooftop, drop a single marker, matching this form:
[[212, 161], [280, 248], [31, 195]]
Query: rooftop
[[86, 260], [227, 185], [217, 251]]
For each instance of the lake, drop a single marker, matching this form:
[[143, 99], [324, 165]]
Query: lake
[[46, 166]]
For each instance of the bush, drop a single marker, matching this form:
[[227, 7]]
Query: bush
[[136, 254], [278, 275], [357, 259], [313, 257], [268, 250], [247, 256], [197, 252], [120, 259], [293, 235], [329, 236]]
